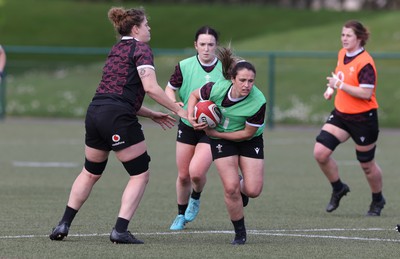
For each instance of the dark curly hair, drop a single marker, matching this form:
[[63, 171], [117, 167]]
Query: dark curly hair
[[124, 19]]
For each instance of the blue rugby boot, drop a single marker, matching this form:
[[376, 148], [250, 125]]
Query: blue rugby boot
[[179, 223], [192, 210]]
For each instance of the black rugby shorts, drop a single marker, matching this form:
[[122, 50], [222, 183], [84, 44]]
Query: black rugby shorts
[[112, 127], [253, 148], [190, 136], [362, 127]]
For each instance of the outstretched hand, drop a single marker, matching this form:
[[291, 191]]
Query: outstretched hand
[[165, 120]]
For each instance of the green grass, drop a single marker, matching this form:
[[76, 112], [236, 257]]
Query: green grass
[[287, 221], [54, 85]]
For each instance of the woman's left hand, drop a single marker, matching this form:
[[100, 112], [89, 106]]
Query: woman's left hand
[[165, 120], [334, 81]]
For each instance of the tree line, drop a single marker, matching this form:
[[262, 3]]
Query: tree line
[[297, 4]]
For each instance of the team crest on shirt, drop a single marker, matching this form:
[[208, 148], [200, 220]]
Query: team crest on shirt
[[352, 70], [117, 140]]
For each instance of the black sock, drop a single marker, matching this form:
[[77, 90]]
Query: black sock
[[240, 229], [182, 209], [337, 186], [377, 197], [69, 215], [121, 225], [195, 195]]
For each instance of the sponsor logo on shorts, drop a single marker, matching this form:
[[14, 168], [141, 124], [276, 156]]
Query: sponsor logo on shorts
[[117, 140]]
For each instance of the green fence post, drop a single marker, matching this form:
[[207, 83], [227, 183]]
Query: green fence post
[[271, 88], [3, 97]]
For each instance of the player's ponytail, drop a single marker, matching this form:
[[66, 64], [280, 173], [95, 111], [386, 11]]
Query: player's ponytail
[[228, 60], [231, 64]]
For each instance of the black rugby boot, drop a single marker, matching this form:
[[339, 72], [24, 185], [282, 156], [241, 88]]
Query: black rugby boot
[[336, 197], [124, 238], [60, 231]]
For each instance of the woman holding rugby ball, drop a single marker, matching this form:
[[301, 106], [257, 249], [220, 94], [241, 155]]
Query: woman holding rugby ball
[[237, 141]]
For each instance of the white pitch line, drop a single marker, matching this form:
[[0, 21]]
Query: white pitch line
[[250, 232], [44, 164], [332, 237], [322, 230]]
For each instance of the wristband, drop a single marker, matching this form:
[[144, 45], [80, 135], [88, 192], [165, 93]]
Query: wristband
[[340, 86], [337, 80]]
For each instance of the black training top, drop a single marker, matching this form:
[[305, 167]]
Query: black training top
[[120, 83]]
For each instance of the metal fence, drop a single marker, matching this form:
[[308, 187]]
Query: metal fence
[[282, 73]]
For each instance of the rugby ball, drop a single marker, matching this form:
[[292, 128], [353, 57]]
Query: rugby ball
[[208, 112]]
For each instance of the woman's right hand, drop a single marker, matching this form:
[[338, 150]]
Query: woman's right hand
[[193, 121], [328, 93]]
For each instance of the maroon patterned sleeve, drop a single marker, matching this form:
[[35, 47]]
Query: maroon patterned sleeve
[[367, 75], [143, 54], [176, 78], [205, 90], [259, 117]]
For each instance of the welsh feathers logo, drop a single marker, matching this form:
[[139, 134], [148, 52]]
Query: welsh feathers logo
[[116, 138]]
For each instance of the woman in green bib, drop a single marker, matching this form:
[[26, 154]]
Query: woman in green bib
[[237, 142], [193, 154]]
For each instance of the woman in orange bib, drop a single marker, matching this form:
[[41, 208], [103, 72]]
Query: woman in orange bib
[[355, 115]]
